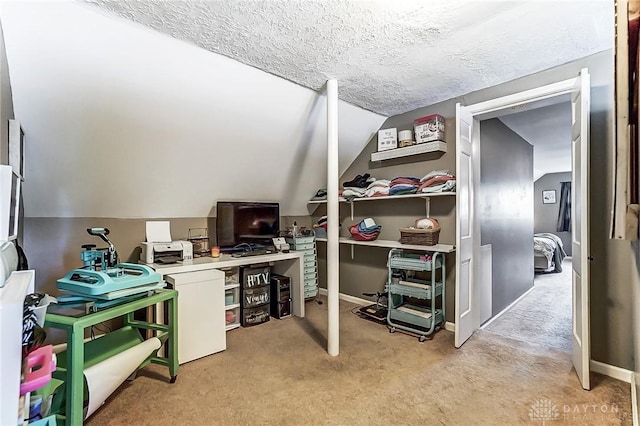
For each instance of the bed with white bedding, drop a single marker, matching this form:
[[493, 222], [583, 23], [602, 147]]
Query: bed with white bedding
[[548, 253]]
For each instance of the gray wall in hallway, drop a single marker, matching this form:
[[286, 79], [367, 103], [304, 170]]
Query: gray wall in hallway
[[505, 210]]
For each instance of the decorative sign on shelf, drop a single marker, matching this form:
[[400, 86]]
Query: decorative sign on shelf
[[387, 139]]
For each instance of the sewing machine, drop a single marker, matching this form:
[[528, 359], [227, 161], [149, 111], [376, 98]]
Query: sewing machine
[[102, 277]]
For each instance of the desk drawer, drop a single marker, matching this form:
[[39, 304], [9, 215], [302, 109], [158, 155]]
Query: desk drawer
[[252, 297], [255, 316], [310, 274], [300, 240], [194, 277], [303, 247], [308, 253]]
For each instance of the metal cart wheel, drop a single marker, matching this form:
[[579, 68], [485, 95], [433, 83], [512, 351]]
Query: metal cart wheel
[[173, 379], [421, 339], [392, 329]]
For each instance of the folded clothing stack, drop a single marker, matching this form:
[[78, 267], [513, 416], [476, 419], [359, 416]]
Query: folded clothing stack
[[437, 181], [360, 181], [365, 230], [321, 195], [403, 185]]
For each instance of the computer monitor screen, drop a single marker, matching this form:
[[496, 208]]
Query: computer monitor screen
[[253, 223]]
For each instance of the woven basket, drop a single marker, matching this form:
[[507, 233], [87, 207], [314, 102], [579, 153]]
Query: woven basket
[[421, 237]]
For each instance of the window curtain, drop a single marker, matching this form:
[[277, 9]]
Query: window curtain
[[564, 214]]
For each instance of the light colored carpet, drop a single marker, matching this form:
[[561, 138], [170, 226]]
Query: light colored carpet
[[542, 317], [279, 373]]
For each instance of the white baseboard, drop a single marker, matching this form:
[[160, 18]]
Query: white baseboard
[[499, 314], [634, 398], [449, 326], [623, 375], [347, 298], [611, 371]]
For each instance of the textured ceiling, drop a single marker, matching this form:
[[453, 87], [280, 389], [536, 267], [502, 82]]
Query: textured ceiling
[[389, 56], [548, 129]]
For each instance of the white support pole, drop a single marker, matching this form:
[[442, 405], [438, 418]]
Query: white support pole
[[333, 221]]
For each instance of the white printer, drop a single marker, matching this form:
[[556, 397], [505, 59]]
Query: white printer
[[160, 248], [166, 252]]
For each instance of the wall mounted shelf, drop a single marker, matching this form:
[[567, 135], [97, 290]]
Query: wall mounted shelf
[[441, 248], [424, 195], [388, 197], [422, 148]]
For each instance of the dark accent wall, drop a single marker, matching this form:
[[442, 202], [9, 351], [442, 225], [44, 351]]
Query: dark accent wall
[[505, 209], [546, 215]]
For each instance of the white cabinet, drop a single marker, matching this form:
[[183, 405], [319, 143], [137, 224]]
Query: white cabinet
[[201, 313]]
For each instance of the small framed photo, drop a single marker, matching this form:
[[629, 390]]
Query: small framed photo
[[549, 196]]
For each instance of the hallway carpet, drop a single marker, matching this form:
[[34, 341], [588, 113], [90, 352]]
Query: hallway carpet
[[279, 373], [542, 317]]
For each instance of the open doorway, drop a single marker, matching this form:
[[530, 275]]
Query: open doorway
[[530, 257], [468, 147]]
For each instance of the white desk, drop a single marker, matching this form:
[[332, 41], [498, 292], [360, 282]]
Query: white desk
[[289, 264]]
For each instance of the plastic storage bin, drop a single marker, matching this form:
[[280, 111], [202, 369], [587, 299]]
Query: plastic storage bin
[[255, 276], [429, 128], [255, 316], [255, 296]]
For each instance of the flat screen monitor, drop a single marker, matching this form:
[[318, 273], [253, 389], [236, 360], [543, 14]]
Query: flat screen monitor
[[240, 225]]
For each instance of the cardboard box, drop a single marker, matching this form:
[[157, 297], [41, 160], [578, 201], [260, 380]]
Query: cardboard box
[[387, 139]]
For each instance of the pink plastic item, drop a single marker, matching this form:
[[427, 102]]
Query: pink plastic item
[[40, 365]]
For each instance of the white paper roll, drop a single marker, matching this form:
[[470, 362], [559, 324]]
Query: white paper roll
[[105, 377]]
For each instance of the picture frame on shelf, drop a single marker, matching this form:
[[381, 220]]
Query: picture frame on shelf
[[549, 196]]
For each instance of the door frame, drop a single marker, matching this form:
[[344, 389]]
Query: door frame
[[548, 94]]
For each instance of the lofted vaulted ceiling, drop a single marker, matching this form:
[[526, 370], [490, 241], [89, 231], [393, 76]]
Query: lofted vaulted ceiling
[[123, 121], [390, 56]]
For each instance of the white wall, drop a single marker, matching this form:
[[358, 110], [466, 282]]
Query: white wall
[[124, 122]]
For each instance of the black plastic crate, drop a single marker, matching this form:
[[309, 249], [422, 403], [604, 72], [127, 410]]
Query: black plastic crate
[[255, 316], [255, 276], [255, 296]]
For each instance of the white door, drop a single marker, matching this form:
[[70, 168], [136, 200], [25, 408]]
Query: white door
[[464, 315], [468, 166], [580, 226]]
